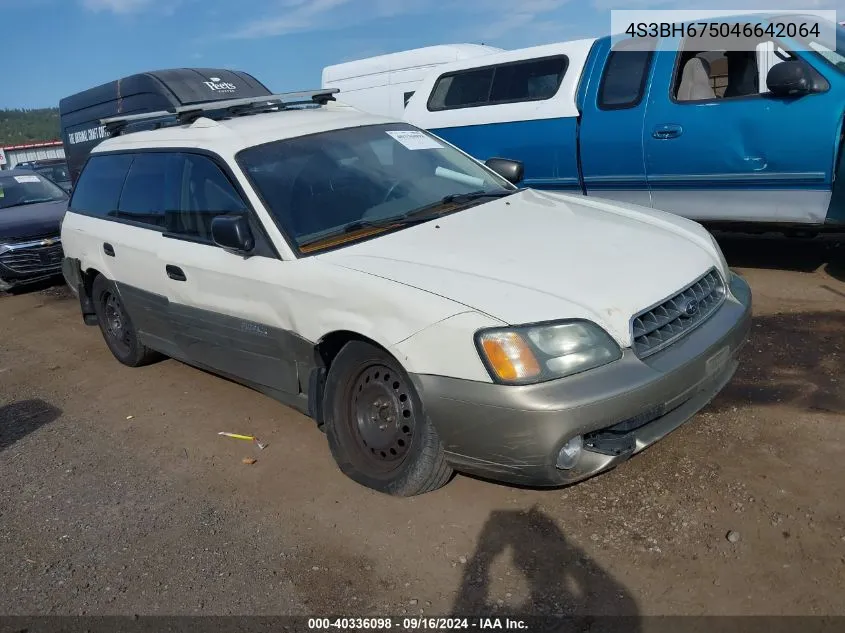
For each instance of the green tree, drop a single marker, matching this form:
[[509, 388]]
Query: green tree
[[29, 126]]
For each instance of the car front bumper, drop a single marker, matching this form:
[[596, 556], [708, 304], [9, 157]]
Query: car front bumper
[[515, 433], [27, 261]]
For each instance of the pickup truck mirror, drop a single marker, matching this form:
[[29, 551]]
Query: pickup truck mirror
[[232, 233], [511, 170], [794, 78]]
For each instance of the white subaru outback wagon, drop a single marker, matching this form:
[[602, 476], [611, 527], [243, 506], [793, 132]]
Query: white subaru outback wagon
[[429, 314]]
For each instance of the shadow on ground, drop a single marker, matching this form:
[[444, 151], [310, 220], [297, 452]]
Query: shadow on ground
[[792, 359], [19, 419], [561, 578], [52, 286], [781, 253]]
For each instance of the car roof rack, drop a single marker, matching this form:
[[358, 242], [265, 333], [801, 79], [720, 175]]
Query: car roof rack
[[217, 110]]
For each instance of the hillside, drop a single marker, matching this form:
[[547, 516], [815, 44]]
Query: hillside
[[28, 126]]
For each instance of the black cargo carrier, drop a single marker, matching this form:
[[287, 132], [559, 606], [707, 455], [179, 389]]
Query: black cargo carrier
[[145, 92]]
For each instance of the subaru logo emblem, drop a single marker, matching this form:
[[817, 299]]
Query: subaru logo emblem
[[691, 307]]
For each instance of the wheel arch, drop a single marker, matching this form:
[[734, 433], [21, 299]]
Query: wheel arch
[[325, 351], [86, 291]]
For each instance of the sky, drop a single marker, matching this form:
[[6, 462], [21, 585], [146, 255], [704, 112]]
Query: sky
[[54, 48]]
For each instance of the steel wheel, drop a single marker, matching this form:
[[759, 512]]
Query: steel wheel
[[117, 327], [116, 323], [382, 410], [376, 425]]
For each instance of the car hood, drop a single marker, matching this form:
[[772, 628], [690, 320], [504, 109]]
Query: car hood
[[539, 256], [31, 220]]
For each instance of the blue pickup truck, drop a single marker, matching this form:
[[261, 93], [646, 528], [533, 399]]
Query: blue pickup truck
[[745, 139]]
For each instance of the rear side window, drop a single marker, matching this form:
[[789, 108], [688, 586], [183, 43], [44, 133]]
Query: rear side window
[[151, 189], [624, 79], [98, 189], [530, 80]]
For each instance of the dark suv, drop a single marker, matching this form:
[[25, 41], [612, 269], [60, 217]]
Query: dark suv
[[31, 211]]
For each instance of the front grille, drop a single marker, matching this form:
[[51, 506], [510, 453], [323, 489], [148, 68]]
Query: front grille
[[33, 257], [659, 327]]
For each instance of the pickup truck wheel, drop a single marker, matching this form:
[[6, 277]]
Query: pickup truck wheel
[[376, 427], [116, 326]]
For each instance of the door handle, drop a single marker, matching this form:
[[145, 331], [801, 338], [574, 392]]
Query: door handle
[[108, 249], [667, 131], [757, 163], [174, 272]]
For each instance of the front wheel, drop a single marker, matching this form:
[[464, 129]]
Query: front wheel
[[116, 326], [376, 427]]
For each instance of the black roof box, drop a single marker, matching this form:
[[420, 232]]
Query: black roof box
[[145, 92]]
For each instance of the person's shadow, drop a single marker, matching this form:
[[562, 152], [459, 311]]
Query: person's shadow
[[562, 580]]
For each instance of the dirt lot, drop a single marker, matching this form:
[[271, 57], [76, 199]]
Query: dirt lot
[[118, 497]]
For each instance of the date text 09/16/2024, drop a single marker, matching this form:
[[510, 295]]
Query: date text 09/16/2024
[[415, 623]]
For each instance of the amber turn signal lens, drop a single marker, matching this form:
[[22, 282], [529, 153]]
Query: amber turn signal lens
[[509, 356]]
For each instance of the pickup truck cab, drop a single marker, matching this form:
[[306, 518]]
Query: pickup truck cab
[[742, 139]]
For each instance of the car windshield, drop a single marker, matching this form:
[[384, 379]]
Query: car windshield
[[834, 57], [329, 188], [26, 188]]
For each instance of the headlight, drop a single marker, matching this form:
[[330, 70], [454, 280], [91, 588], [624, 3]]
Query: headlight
[[535, 353]]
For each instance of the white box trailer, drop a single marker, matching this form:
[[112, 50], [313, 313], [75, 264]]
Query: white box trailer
[[384, 84]]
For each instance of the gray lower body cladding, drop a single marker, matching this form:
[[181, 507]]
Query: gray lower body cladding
[[514, 434]]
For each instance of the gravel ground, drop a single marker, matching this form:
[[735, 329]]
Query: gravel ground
[[118, 497]]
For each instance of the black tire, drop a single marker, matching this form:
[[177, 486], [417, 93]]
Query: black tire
[[377, 430], [116, 326]]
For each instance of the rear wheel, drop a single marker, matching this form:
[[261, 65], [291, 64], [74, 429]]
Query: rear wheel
[[376, 427], [116, 326]]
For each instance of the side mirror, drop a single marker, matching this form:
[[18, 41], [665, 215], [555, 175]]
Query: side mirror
[[511, 170], [232, 233], [794, 78]]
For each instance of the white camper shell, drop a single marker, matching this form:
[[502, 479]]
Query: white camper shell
[[382, 85]]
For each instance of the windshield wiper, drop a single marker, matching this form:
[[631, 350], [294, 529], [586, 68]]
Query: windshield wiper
[[417, 216], [360, 225], [475, 195]]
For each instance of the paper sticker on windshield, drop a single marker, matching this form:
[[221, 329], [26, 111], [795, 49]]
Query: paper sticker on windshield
[[413, 139], [24, 179]]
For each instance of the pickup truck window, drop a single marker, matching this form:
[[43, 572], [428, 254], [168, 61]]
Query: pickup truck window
[[624, 78], [720, 74], [836, 58], [528, 80]]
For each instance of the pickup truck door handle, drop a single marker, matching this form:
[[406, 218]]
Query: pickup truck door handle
[[667, 131], [757, 163], [108, 249], [174, 272]]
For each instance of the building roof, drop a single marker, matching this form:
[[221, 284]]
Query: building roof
[[36, 145]]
